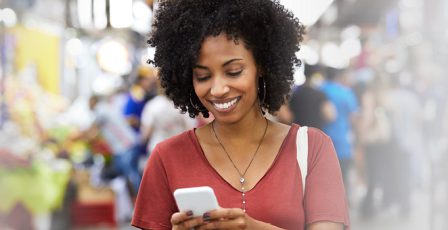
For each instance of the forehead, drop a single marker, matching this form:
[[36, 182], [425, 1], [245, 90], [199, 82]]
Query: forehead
[[223, 48]]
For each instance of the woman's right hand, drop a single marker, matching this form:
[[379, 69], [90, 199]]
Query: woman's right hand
[[185, 220]]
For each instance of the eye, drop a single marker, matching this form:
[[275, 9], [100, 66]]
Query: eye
[[202, 78], [235, 73]]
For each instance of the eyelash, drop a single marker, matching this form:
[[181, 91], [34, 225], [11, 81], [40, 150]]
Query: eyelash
[[201, 79], [232, 74]]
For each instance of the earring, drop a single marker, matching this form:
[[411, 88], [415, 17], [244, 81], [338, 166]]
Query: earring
[[194, 105], [261, 92]]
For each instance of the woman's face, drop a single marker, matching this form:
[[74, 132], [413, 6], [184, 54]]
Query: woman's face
[[225, 79]]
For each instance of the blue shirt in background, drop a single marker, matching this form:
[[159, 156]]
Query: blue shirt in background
[[340, 130]]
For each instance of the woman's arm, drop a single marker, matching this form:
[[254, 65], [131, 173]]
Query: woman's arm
[[325, 202]]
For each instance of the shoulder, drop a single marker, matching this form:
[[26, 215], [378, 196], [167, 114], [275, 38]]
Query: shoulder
[[178, 155], [320, 147], [317, 135], [313, 133], [174, 144], [316, 138]]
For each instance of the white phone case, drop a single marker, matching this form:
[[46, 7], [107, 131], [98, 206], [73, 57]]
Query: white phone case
[[197, 199]]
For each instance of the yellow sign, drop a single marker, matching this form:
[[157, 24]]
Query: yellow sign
[[43, 50]]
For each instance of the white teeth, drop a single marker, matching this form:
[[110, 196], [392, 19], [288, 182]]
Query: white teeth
[[225, 105]]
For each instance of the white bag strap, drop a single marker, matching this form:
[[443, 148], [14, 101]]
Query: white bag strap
[[302, 153]]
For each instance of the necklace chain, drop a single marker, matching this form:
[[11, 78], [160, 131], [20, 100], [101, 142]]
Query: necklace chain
[[242, 179]]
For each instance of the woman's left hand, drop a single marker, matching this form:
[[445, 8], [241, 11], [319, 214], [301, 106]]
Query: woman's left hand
[[225, 218], [231, 218]]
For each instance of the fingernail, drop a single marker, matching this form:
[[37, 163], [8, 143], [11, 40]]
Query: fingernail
[[206, 216], [189, 213]]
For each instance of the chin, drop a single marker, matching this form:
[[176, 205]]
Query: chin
[[226, 118]]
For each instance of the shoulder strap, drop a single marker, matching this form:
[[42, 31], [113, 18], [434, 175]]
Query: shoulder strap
[[302, 153]]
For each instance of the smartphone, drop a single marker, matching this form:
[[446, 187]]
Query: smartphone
[[197, 199]]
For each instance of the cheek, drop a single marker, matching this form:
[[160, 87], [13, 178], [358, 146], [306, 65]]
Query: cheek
[[199, 90], [251, 87]]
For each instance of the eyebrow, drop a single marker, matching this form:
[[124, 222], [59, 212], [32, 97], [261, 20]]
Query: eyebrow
[[225, 63]]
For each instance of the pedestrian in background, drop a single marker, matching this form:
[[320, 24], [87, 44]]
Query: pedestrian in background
[[310, 106], [341, 129], [161, 120], [141, 91], [119, 136]]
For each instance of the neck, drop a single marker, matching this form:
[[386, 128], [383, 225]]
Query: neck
[[242, 130]]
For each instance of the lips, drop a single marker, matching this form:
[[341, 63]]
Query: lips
[[225, 105]]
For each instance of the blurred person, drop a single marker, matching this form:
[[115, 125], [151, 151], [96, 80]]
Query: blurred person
[[119, 98], [143, 89], [161, 120], [374, 130], [444, 158], [119, 136], [365, 90], [310, 106], [212, 60], [340, 130], [406, 115]]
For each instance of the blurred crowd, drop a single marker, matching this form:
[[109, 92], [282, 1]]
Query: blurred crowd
[[104, 140], [389, 131]]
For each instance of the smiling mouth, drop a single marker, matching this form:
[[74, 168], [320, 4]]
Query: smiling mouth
[[226, 105]]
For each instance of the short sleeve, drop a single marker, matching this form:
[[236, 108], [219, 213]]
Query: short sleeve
[[155, 204], [324, 194]]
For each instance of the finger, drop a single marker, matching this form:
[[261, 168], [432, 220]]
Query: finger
[[190, 223], [237, 223], [180, 217], [227, 213]]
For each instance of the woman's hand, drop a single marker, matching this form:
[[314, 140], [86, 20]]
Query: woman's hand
[[225, 218], [231, 218], [185, 220]]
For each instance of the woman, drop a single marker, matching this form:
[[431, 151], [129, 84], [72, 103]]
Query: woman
[[235, 59]]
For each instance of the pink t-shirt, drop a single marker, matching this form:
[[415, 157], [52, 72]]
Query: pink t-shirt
[[276, 199]]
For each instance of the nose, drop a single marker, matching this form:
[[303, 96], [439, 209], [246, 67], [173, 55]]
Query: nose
[[219, 87]]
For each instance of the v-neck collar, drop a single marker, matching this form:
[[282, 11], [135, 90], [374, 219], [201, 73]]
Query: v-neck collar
[[200, 151]]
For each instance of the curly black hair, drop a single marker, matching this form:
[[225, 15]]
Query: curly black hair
[[269, 30]]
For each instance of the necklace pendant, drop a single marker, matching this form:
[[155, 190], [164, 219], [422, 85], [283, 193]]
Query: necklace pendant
[[242, 180]]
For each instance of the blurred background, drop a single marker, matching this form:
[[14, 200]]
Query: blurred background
[[377, 67]]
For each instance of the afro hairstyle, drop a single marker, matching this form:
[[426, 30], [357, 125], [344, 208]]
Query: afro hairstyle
[[268, 30]]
